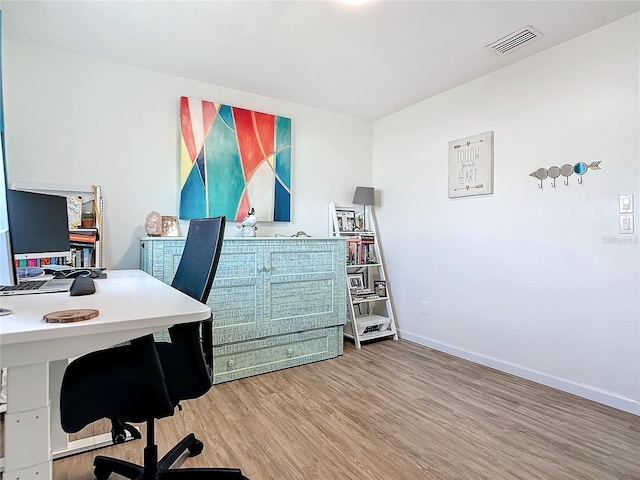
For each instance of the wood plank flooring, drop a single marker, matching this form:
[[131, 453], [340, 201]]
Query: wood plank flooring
[[395, 411]]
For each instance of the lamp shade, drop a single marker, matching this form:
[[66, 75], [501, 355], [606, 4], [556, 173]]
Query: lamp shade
[[364, 196]]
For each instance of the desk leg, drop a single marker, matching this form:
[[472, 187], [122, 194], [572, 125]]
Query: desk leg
[[27, 444], [58, 436]]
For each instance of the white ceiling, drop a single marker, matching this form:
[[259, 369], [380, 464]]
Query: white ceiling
[[366, 60]]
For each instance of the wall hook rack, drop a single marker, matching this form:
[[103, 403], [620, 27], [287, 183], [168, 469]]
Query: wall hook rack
[[566, 171]]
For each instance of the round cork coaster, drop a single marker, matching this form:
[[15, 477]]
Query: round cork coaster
[[66, 316]]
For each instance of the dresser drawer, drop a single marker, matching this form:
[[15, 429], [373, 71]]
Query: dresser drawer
[[240, 360]]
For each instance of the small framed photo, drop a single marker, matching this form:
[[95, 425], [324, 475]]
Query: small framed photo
[[346, 220], [380, 287], [359, 222], [356, 281], [170, 226]]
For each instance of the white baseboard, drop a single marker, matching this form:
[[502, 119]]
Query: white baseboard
[[585, 391]]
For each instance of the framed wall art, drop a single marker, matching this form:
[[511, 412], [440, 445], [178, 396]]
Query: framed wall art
[[233, 159], [471, 165], [346, 220], [380, 287], [356, 281]]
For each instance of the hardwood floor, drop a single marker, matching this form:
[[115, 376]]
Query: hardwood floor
[[395, 411]]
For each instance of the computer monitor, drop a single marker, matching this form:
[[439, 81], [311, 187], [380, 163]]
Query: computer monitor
[[39, 225]]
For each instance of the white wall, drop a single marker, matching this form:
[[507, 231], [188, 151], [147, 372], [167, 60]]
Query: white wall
[[534, 282], [80, 121]]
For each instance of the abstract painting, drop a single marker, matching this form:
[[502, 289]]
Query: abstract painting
[[232, 160]]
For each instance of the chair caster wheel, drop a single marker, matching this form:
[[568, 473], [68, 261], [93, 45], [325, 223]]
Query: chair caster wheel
[[196, 448], [101, 473]]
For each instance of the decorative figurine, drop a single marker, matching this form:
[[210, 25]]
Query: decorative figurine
[[153, 224], [248, 228]]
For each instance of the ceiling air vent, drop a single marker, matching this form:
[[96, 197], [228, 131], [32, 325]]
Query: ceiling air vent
[[515, 40]]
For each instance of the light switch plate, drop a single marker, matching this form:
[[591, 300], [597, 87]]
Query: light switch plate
[[423, 307], [626, 223], [626, 203]]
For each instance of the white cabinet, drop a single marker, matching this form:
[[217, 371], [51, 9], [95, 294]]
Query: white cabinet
[[369, 308]]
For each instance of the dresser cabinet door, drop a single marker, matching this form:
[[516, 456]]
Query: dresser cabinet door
[[237, 296], [302, 289]]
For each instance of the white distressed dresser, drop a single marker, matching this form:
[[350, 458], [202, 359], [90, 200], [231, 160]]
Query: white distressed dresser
[[276, 302]]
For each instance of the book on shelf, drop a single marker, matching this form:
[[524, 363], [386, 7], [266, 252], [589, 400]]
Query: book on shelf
[[82, 257], [82, 237], [82, 245], [362, 296], [352, 250], [83, 249], [368, 249], [367, 238], [57, 260], [41, 262], [361, 250]]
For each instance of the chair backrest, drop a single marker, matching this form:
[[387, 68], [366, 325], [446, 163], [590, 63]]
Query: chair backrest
[[187, 361], [200, 257]]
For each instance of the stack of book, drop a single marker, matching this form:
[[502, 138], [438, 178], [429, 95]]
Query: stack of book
[[83, 247], [361, 250]]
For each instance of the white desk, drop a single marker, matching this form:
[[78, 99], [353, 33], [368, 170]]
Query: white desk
[[131, 304]]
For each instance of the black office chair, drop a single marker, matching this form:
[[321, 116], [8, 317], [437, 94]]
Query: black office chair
[[145, 380]]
